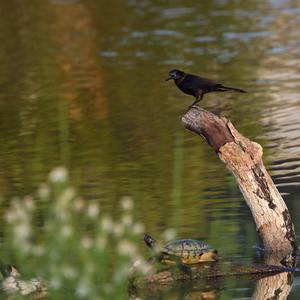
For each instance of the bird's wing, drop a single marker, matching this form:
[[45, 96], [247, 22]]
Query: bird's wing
[[208, 83], [203, 83]]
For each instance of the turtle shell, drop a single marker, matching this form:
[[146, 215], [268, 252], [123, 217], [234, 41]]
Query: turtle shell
[[187, 252]]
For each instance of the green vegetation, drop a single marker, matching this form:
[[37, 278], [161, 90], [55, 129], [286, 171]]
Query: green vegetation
[[74, 247]]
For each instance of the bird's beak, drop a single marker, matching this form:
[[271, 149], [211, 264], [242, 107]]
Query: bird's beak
[[169, 77]]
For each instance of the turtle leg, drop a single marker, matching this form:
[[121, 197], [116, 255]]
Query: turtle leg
[[184, 268], [182, 271], [187, 270]]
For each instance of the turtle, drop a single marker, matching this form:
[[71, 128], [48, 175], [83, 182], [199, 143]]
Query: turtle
[[185, 252]]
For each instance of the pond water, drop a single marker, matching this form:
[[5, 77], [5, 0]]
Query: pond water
[[82, 85]]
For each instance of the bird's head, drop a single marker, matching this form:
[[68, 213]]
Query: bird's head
[[175, 74]]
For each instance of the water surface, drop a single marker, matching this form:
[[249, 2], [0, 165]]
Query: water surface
[[82, 85]]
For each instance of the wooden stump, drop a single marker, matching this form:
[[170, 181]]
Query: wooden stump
[[244, 159]]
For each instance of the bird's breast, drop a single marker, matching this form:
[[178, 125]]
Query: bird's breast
[[186, 87]]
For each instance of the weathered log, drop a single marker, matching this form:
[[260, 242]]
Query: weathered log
[[244, 159]]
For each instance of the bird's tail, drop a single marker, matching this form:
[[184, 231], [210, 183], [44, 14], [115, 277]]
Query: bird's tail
[[228, 88]]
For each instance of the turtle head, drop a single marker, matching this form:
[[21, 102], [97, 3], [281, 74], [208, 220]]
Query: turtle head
[[149, 240]]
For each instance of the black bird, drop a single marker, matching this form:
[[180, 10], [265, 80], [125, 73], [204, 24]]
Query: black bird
[[197, 86]]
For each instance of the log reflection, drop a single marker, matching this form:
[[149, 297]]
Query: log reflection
[[277, 286], [274, 287]]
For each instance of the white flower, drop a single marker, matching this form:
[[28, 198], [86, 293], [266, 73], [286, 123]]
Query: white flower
[[127, 248], [138, 228], [28, 203], [62, 204], [66, 231], [169, 234], [87, 242], [141, 266], [127, 220], [107, 224], [11, 216], [118, 230], [23, 231], [59, 174], [79, 204], [44, 192], [127, 203], [93, 210], [55, 283], [69, 271], [83, 289]]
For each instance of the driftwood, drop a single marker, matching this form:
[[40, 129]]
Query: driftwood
[[244, 159]]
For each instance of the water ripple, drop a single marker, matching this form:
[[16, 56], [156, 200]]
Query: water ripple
[[176, 12]]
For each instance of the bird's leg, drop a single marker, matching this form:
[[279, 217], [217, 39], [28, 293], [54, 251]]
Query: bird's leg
[[198, 98]]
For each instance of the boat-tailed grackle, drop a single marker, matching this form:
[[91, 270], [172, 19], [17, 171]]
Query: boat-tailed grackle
[[197, 86]]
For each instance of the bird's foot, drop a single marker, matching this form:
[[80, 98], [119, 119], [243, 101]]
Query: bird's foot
[[194, 104], [189, 107]]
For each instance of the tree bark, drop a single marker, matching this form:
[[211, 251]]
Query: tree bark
[[244, 159]]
